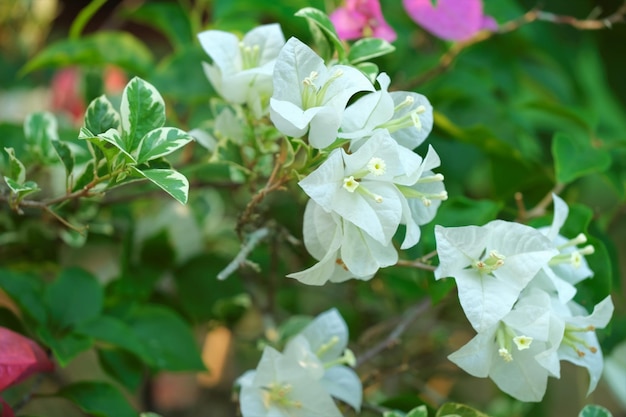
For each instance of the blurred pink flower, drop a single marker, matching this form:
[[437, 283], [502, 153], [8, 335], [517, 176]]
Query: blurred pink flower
[[362, 19], [453, 20]]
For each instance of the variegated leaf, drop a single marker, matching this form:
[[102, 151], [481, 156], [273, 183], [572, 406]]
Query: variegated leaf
[[22, 189], [161, 142], [113, 137], [141, 111], [171, 181], [40, 129], [101, 116], [17, 172]]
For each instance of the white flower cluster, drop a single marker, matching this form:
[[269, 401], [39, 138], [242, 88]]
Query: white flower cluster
[[516, 286], [301, 381], [371, 181]]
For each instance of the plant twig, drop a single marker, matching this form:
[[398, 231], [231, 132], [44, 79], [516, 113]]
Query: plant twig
[[540, 208], [410, 316], [253, 240], [531, 16]]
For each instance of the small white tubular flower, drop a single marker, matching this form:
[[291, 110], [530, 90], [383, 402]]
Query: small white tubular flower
[[308, 97], [508, 351], [345, 184], [241, 71], [424, 198], [579, 344], [570, 264], [281, 387], [491, 264], [407, 116], [343, 251]]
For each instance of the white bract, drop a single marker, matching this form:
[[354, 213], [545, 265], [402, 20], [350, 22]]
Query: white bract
[[342, 249], [519, 352], [361, 187], [241, 71], [491, 264], [407, 116], [309, 97]]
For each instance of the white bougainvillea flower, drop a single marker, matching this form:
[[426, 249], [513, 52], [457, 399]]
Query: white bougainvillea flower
[[491, 265], [407, 116], [579, 344], [343, 251], [361, 187], [322, 348], [514, 351], [570, 265], [241, 71], [281, 387], [308, 97]]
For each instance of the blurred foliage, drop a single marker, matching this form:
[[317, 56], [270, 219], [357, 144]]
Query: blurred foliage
[[521, 113]]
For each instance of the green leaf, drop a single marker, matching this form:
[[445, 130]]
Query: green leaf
[[114, 331], [420, 411], [458, 410], [368, 48], [141, 111], [26, 291], [167, 339], [65, 155], [98, 399], [113, 137], [171, 181], [100, 49], [592, 410], [321, 20], [160, 142], [65, 347], [149, 415], [369, 69], [168, 18], [83, 17], [73, 298], [575, 157], [122, 366], [22, 190], [101, 116], [394, 413], [40, 129], [17, 172]]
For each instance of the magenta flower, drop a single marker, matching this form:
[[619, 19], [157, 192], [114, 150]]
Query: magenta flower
[[362, 19], [453, 20]]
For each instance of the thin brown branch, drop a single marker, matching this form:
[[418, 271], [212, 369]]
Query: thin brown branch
[[540, 208], [533, 15], [416, 264], [392, 339]]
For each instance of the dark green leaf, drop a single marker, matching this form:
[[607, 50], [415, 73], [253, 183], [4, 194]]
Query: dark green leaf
[[73, 298], [65, 347], [114, 331], [100, 49], [575, 157], [458, 410], [122, 366], [141, 111], [98, 399], [26, 291], [168, 18], [167, 339], [65, 155]]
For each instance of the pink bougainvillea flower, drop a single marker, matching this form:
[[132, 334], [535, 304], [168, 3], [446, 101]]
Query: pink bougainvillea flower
[[453, 20], [362, 19], [20, 357]]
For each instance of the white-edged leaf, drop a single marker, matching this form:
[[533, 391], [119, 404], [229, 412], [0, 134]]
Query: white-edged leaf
[[22, 189], [142, 110], [321, 20], [160, 142], [40, 129], [593, 410], [368, 48], [171, 181], [101, 116], [114, 138], [17, 172], [65, 155]]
